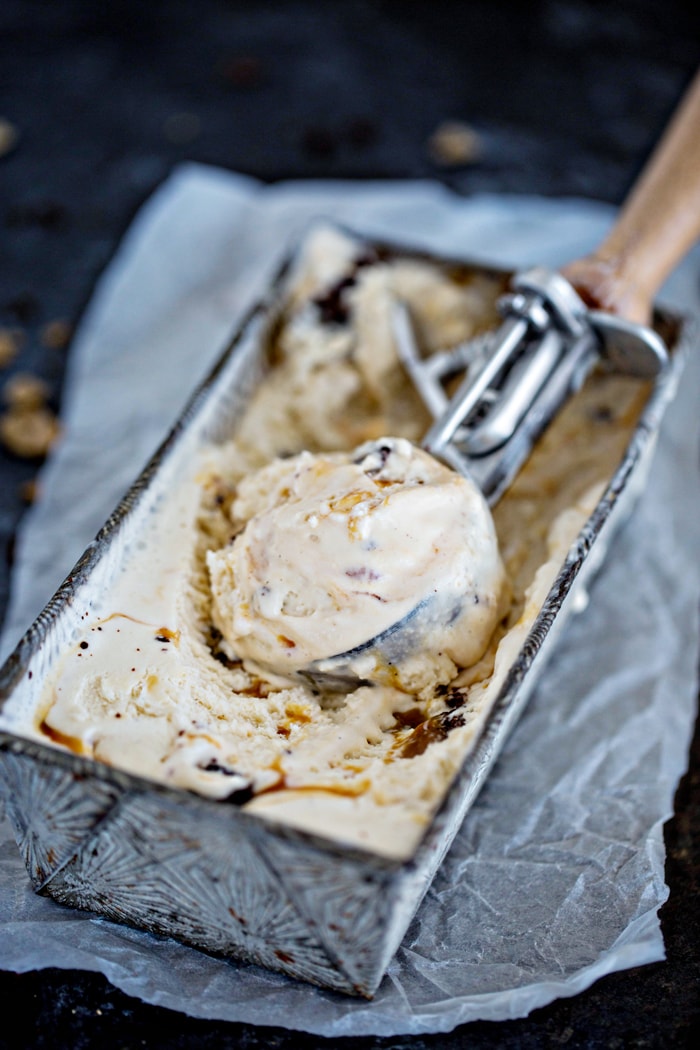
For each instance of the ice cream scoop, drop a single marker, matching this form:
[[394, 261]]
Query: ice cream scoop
[[380, 565], [558, 326], [383, 566]]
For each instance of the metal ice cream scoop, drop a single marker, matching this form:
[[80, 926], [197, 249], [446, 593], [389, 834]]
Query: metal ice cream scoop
[[556, 326], [516, 379]]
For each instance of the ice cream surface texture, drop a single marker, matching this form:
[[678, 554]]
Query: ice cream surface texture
[[281, 548], [381, 558]]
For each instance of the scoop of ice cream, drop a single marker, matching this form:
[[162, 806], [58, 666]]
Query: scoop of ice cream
[[382, 555]]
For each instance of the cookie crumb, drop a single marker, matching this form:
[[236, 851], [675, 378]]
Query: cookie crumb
[[9, 346], [56, 334], [8, 136], [29, 433], [454, 143], [25, 391]]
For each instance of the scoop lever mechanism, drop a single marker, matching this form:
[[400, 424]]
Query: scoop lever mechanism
[[518, 377]]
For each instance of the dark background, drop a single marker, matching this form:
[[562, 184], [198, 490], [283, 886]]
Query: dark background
[[566, 97]]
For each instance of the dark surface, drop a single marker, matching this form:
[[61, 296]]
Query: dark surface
[[567, 96]]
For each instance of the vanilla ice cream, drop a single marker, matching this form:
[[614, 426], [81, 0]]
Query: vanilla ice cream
[[291, 548], [382, 557]]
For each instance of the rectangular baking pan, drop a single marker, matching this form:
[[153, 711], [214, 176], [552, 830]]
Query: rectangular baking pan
[[206, 872]]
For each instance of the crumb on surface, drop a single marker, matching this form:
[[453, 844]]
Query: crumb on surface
[[454, 143], [29, 432], [10, 341], [9, 136], [56, 334], [25, 391]]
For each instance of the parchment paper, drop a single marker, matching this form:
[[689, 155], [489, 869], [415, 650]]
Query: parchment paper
[[557, 875]]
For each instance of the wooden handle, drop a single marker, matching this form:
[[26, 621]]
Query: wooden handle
[[658, 224]]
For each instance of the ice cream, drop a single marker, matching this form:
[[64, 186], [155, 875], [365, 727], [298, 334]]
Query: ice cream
[[379, 563], [181, 668]]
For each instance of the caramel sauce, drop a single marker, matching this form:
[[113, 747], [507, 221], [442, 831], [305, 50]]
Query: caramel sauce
[[429, 732], [409, 719], [343, 790], [164, 634], [73, 743], [125, 616], [297, 713], [257, 688], [386, 673], [345, 503], [201, 736]]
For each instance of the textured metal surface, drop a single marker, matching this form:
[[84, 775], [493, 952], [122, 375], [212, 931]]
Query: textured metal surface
[[205, 874]]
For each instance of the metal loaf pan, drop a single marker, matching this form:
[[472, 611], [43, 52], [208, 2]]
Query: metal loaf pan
[[206, 872]]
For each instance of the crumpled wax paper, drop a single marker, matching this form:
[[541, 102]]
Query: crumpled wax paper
[[557, 875]]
